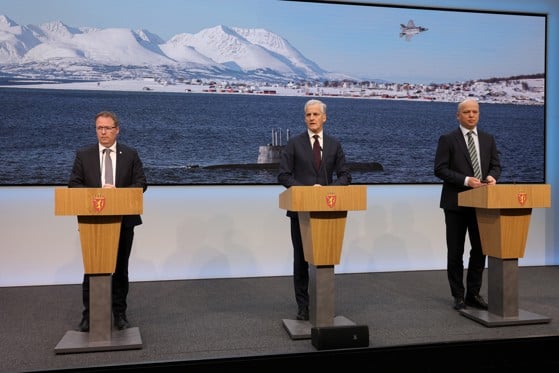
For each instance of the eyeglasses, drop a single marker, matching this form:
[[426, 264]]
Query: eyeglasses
[[101, 128]]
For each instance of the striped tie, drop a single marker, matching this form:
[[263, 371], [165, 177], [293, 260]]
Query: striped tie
[[473, 155]]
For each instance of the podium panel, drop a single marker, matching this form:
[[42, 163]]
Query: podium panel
[[99, 236], [323, 234], [324, 198], [98, 201], [507, 196], [504, 232]]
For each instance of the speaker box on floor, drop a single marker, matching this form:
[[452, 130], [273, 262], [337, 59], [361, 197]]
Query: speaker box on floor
[[342, 336]]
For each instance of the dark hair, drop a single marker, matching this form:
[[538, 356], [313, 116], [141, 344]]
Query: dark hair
[[108, 114]]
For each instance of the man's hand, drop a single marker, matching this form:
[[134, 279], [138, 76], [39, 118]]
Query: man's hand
[[490, 180], [475, 182]]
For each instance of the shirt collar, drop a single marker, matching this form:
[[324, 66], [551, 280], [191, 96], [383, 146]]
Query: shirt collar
[[113, 148], [465, 130], [311, 134]]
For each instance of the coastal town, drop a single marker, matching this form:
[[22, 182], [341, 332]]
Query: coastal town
[[520, 91]]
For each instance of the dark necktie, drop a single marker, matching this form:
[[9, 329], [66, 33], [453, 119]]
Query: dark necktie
[[316, 153], [473, 155], [108, 166]]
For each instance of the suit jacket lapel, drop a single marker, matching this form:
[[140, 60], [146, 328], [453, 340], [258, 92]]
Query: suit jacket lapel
[[481, 140], [459, 137], [119, 165], [94, 163], [306, 145]]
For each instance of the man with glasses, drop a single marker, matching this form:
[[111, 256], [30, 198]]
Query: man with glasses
[[109, 164]]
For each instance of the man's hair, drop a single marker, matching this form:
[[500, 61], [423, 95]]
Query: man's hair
[[316, 102], [108, 114], [467, 99]]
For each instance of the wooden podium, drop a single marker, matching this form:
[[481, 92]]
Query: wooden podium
[[503, 213], [99, 212], [322, 214]]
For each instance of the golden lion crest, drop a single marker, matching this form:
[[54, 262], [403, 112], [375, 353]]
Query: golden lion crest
[[330, 200], [522, 197], [98, 203]]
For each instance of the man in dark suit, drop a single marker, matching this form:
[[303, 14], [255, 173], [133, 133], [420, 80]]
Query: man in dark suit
[[298, 167], [456, 168], [88, 171]]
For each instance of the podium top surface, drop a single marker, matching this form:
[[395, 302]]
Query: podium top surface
[[324, 198], [98, 201], [504, 196]]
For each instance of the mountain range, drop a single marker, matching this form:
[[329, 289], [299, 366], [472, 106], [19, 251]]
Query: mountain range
[[55, 51]]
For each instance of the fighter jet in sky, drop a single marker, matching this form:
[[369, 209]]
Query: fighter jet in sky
[[410, 30]]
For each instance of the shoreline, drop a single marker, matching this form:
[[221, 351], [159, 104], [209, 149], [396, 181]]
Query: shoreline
[[450, 94]]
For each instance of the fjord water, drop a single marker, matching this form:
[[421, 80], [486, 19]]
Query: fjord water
[[178, 135]]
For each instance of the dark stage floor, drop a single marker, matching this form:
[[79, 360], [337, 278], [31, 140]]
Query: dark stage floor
[[198, 325]]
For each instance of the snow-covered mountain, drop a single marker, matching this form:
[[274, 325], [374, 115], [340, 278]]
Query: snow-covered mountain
[[54, 50]]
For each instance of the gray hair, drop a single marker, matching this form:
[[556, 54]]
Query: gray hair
[[467, 99], [316, 102]]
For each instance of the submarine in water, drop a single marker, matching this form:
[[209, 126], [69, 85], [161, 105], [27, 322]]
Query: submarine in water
[[269, 157]]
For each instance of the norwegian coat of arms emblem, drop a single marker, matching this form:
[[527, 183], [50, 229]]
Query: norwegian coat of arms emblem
[[522, 197], [98, 203], [330, 200]]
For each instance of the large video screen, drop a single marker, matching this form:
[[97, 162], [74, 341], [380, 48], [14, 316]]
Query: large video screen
[[209, 92]]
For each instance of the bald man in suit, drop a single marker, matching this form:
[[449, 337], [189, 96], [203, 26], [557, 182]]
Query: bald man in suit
[[297, 167], [455, 167], [128, 172]]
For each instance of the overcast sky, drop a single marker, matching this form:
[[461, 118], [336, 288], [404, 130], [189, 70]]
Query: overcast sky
[[355, 39]]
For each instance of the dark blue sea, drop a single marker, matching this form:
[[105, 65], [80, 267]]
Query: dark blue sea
[[180, 136]]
